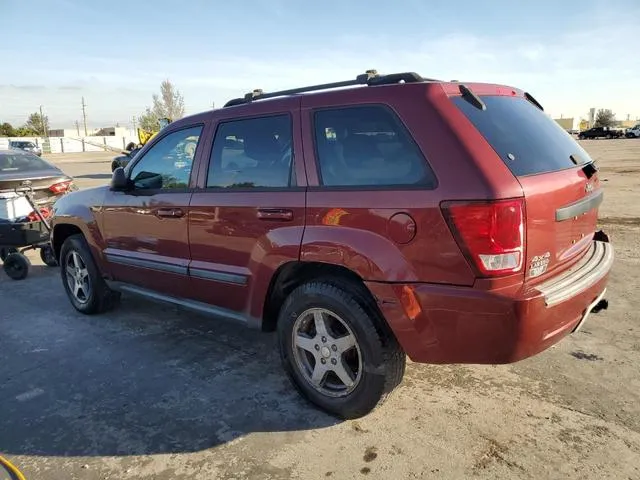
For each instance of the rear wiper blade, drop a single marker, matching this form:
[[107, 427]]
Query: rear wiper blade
[[589, 168], [471, 97], [529, 97]]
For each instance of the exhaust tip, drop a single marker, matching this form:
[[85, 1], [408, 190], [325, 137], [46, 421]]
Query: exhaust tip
[[601, 305]]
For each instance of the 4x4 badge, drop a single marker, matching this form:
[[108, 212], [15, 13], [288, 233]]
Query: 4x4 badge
[[588, 187], [539, 264]]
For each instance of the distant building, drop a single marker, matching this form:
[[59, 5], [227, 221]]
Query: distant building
[[112, 132], [63, 132], [100, 132], [627, 123], [569, 123]]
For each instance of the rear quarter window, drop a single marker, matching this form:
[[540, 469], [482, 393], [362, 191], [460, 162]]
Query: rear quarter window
[[368, 146], [527, 140]]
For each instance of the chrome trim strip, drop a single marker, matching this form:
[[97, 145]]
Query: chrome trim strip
[[580, 207], [150, 264], [218, 276]]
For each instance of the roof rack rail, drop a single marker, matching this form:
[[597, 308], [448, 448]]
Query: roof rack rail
[[370, 77]]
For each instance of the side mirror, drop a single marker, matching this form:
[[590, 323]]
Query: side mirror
[[119, 180]]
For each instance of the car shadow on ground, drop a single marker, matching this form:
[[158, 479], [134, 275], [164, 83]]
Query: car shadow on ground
[[144, 379]]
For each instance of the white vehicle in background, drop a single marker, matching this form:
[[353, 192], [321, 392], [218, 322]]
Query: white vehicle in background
[[633, 132], [25, 145]]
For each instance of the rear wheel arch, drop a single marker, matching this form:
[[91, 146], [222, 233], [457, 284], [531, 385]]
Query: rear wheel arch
[[291, 275]]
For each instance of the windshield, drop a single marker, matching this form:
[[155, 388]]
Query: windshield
[[23, 144], [527, 140], [21, 163]]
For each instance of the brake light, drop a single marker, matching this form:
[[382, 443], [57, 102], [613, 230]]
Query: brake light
[[44, 211], [490, 233], [58, 188]]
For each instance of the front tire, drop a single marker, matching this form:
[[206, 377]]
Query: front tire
[[336, 354], [85, 287]]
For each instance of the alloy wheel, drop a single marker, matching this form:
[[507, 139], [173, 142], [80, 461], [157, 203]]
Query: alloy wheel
[[326, 352], [78, 277]]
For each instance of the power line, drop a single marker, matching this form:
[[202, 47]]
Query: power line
[[84, 117]]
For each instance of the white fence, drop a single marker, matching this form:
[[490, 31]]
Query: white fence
[[74, 144]]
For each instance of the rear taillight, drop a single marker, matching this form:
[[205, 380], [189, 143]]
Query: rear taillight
[[58, 188], [44, 211], [490, 233]]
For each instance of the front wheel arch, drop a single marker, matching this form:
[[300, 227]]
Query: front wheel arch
[[60, 233]]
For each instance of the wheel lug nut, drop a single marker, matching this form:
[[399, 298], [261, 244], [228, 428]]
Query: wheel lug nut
[[317, 347], [334, 348], [323, 361], [333, 361], [324, 339]]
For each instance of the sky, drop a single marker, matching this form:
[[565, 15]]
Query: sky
[[571, 55]]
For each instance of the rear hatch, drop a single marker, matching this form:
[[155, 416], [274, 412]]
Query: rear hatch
[[558, 178]]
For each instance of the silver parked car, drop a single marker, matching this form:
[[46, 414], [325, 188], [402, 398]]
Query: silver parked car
[[25, 145]]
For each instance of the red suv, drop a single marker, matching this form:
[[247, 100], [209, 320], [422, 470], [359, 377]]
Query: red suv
[[451, 222]]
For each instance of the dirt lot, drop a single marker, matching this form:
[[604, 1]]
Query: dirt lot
[[147, 392]]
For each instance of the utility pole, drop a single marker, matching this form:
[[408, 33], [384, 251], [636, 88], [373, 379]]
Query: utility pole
[[84, 117], [213, 105], [44, 126], [133, 120], [77, 124]]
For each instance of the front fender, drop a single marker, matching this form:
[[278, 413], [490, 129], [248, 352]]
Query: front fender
[[79, 211]]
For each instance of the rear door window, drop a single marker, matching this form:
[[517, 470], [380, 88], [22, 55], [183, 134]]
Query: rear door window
[[527, 140], [368, 146]]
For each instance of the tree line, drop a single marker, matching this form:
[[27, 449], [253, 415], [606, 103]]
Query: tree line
[[35, 126], [169, 103]]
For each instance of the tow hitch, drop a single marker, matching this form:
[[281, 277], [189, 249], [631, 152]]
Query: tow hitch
[[601, 305], [596, 306]]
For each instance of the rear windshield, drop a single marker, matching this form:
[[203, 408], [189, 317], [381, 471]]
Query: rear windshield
[[21, 163], [23, 144], [527, 140]]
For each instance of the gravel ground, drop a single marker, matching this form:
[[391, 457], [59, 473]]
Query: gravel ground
[[148, 392]]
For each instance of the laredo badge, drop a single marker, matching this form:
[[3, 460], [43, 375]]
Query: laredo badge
[[539, 264]]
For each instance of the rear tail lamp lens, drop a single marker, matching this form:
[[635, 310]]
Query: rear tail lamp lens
[[44, 211], [490, 233], [58, 188]]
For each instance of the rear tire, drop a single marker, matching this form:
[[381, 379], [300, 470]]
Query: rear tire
[[16, 266], [351, 346], [85, 287], [114, 165]]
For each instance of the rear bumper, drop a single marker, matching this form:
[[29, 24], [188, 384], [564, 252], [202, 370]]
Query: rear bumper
[[442, 324]]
